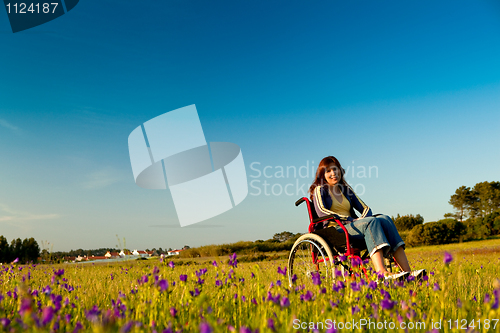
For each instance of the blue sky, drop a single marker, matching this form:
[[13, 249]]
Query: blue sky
[[409, 89]]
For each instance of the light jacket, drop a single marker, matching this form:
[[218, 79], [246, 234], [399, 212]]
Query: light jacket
[[323, 201]]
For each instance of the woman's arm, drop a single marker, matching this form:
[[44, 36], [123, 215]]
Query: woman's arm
[[321, 200], [358, 204]]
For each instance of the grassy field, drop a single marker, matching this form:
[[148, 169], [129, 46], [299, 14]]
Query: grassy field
[[221, 295]]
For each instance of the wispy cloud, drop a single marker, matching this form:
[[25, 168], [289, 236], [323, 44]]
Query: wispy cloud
[[103, 178], [8, 214], [6, 124]]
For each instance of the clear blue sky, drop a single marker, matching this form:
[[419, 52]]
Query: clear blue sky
[[409, 89]]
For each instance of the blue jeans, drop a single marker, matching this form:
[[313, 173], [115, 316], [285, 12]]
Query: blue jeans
[[377, 232]]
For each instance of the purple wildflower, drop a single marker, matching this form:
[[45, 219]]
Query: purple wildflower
[[387, 304], [385, 294], [59, 272], [278, 283], [214, 263], [127, 327], [316, 278], [354, 309], [163, 284], [25, 306], [93, 314], [342, 258], [447, 258], [254, 301], [195, 292], [281, 271], [307, 296], [331, 330], [183, 277], [270, 324], [5, 322], [173, 312], [244, 329], [232, 260], [47, 315], [355, 286], [205, 328], [356, 261], [496, 293], [78, 327], [15, 261], [285, 302], [218, 283], [372, 285], [436, 287], [294, 278], [487, 298], [47, 290]]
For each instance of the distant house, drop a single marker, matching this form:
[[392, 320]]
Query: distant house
[[112, 255], [80, 258], [97, 257], [174, 252], [140, 253]]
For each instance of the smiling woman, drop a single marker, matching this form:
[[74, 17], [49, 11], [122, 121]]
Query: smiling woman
[[333, 196]]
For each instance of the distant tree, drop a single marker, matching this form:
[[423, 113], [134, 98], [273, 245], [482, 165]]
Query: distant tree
[[283, 236], [31, 250], [407, 222], [186, 247], [4, 250], [487, 195], [433, 233], [463, 201], [16, 249]]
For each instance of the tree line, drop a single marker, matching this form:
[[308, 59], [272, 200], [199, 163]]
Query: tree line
[[476, 216], [25, 251]]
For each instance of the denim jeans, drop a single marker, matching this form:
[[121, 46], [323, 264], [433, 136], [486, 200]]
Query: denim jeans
[[378, 233]]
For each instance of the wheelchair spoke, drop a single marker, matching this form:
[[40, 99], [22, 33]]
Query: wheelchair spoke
[[308, 257]]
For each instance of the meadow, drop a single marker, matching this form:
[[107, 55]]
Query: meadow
[[461, 292]]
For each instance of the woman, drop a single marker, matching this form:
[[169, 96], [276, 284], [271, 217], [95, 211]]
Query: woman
[[333, 196]]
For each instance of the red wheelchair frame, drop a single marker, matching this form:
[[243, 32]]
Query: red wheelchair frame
[[350, 252]]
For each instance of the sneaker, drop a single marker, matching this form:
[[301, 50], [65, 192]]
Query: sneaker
[[396, 276], [418, 274]]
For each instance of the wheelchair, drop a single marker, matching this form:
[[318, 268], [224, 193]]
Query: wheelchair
[[323, 250]]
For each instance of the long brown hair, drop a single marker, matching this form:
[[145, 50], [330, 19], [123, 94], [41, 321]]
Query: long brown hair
[[320, 180]]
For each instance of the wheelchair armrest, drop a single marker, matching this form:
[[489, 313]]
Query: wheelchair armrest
[[324, 218], [301, 200]]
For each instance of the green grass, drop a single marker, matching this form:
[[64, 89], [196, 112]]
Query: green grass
[[116, 298]]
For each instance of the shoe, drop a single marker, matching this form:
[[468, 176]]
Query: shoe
[[396, 276], [418, 274]]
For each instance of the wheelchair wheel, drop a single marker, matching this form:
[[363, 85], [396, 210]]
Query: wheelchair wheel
[[309, 254]]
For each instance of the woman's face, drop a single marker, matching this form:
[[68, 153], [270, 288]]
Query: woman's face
[[332, 175]]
